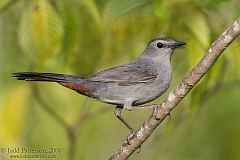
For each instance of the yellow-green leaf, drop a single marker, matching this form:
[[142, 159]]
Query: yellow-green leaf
[[199, 27], [41, 29], [13, 113]]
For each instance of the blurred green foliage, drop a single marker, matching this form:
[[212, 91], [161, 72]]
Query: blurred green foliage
[[84, 36]]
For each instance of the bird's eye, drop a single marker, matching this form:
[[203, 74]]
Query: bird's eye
[[159, 45]]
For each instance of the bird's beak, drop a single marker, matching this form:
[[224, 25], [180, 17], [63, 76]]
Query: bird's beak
[[178, 44]]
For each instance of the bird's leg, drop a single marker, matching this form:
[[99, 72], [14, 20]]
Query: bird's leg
[[117, 112]]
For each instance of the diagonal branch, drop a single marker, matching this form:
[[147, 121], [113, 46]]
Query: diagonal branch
[[177, 94]]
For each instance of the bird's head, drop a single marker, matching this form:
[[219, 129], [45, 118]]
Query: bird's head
[[159, 47]]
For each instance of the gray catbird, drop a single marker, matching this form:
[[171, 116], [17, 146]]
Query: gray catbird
[[126, 86]]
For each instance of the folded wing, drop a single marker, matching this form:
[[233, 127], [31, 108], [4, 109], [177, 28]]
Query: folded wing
[[125, 75]]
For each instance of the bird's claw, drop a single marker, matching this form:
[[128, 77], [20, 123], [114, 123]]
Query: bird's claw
[[129, 139], [131, 136]]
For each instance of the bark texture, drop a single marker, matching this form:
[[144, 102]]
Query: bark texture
[[177, 94]]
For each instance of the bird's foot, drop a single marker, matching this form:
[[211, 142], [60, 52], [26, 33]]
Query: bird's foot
[[131, 136], [129, 139]]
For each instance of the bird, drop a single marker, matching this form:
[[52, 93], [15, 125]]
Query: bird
[[126, 86]]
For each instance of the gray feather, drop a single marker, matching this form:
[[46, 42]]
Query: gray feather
[[126, 75]]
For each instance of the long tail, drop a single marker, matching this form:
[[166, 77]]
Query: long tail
[[76, 83], [49, 77]]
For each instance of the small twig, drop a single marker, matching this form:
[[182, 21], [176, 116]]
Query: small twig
[[72, 143], [179, 92], [85, 116], [47, 108]]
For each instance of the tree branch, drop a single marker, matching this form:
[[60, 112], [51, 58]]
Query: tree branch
[[176, 95]]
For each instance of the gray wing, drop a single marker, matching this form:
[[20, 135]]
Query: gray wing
[[125, 75]]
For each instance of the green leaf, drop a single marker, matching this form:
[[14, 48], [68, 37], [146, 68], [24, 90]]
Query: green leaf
[[199, 27], [117, 8], [41, 29], [71, 30]]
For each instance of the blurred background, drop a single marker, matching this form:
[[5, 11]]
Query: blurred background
[[84, 36]]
